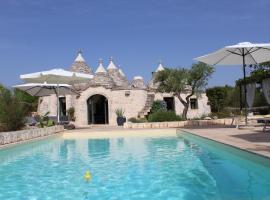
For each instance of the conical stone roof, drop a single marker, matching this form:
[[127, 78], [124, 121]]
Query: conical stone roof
[[101, 68], [121, 73], [80, 65], [111, 65], [138, 82], [160, 67], [118, 76], [101, 78], [151, 84], [123, 81]]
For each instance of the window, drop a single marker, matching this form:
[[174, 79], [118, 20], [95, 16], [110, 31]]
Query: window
[[62, 106], [193, 103], [170, 103]]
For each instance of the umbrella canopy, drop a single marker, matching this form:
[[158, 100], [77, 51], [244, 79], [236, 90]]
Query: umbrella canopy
[[60, 76], [239, 54], [45, 89]]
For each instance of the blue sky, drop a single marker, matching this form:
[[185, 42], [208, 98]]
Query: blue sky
[[39, 35]]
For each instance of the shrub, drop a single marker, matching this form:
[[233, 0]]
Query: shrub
[[158, 106], [12, 111], [71, 112], [29, 102], [50, 123], [137, 120], [220, 115], [119, 112], [202, 117], [44, 121], [163, 116]]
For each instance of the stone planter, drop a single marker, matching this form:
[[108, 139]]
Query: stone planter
[[121, 121]]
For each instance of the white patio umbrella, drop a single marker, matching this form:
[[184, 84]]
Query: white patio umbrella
[[45, 89], [56, 76], [244, 53]]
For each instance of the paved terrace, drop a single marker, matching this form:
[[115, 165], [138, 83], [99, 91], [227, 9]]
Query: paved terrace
[[255, 141]]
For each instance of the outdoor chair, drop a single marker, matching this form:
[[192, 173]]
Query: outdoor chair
[[30, 121], [265, 120]]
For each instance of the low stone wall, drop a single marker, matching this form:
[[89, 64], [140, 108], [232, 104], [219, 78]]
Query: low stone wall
[[180, 124], [29, 134]]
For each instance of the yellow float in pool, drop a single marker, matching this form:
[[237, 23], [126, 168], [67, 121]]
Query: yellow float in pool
[[87, 176]]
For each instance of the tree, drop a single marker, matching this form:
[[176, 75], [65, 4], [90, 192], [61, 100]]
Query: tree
[[262, 67], [30, 102], [12, 111], [257, 74], [219, 97], [179, 81]]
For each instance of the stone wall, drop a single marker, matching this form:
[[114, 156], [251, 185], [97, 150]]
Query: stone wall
[[180, 124], [203, 108], [47, 104], [132, 104], [29, 134], [117, 98]]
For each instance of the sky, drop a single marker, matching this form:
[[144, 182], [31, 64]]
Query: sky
[[37, 35]]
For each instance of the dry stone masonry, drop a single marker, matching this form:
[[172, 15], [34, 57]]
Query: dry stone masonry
[[29, 134], [135, 97]]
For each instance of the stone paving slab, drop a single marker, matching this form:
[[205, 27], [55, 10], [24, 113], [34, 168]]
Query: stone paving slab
[[255, 141]]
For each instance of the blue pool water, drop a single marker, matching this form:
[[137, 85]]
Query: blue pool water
[[131, 168]]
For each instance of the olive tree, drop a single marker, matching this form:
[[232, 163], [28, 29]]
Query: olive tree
[[184, 81]]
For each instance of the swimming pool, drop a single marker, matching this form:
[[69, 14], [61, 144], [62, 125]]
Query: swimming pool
[[131, 168]]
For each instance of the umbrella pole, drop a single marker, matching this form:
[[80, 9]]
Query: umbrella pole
[[58, 110], [245, 88]]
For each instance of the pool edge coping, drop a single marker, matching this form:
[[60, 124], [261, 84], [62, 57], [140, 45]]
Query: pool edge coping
[[227, 144]]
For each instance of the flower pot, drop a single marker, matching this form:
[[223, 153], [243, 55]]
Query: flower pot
[[120, 121]]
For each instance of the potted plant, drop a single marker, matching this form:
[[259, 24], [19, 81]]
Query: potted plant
[[71, 114], [120, 116]]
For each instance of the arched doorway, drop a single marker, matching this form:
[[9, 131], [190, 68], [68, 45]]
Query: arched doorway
[[97, 109]]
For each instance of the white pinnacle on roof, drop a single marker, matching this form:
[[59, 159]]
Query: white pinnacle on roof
[[79, 57], [121, 72], [160, 67], [137, 77], [111, 64], [100, 68]]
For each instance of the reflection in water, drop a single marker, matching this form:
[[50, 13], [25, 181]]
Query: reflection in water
[[99, 147], [49, 147], [129, 168], [120, 142], [66, 149]]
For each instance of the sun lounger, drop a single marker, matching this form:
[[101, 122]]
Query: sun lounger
[[265, 121], [253, 121]]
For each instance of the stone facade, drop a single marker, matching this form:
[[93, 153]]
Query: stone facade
[[203, 107], [116, 99], [134, 97]]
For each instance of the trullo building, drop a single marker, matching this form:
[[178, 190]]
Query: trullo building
[[109, 90]]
